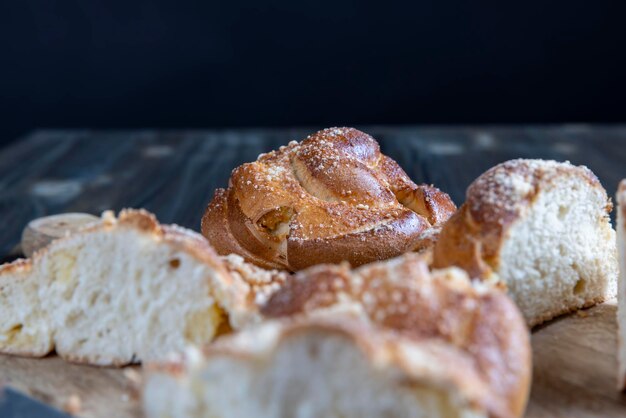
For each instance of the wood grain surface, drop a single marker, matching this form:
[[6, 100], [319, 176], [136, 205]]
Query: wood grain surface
[[574, 367], [173, 174], [102, 392]]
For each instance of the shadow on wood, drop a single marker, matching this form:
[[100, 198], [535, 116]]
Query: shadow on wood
[[575, 366]]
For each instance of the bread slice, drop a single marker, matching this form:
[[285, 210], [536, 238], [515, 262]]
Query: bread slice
[[423, 345], [260, 285], [122, 291], [540, 227], [621, 292]]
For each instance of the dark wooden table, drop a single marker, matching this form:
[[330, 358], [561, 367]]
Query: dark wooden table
[[173, 174]]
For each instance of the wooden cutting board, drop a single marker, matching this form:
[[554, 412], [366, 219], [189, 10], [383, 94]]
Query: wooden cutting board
[[574, 374], [174, 174], [575, 366]]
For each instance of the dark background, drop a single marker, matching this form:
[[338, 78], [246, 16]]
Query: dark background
[[159, 64]]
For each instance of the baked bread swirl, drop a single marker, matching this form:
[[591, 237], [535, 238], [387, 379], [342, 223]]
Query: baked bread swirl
[[124, 290], [541, 228], [424, 345], [260, 285], [333, 197]]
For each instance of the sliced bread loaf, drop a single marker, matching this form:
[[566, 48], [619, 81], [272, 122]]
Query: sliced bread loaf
[[121, 291], [423, 345], [541, 228]]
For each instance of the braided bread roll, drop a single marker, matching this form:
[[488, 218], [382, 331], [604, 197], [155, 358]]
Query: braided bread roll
[[390, 339], [333, 197], [477, 319]]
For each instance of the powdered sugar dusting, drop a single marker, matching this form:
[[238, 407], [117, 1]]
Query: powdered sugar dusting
[[504, 188], [332, 184]]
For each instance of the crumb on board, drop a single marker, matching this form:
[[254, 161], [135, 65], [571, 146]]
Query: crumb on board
[[72, 404], [133, 376]]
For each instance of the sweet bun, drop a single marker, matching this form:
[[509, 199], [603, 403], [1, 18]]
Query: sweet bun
[[388, 339], [333, 197], [123, 290]]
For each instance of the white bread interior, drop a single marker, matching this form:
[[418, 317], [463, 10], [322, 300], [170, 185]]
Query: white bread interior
[[124, 291], [621, 293], [560, 255], [540, 227], [388, 339], [309, 371]]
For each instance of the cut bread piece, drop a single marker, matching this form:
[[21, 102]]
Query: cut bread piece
[[261, 284], [621, 292], [122, 291], [317, 370], [540, 227], [422, 345]]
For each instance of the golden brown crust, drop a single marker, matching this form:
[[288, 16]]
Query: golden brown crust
[[402, 295], [215, 228], [180, 238], [143, 221], [414, 363], [330, 198], [473, 236], [19, 266], [262, 283], [555, 313]]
